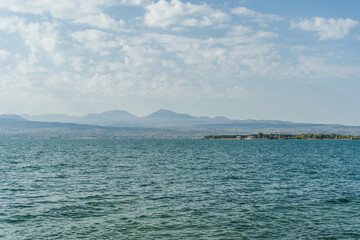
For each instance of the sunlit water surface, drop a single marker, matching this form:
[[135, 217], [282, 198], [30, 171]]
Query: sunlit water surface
[[179, 189]]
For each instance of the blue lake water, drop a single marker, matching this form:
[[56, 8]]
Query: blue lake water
[[179, 189]]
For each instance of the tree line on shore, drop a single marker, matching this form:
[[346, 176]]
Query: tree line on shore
[[284, 136]]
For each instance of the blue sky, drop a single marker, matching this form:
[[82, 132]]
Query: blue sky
[[279, 59]]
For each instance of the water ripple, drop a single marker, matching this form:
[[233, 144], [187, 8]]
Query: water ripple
[[179, 189]]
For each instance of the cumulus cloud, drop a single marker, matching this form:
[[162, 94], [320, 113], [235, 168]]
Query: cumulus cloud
[[326, 28], [80, 11], [243, 35], [65, 9], [100, 20], [311, 67], [12, 24], [243, 11], [221, 58], [36, 35], [77, 63], [240, 30], [101, 63], [135, 2], [164, 14], [4, 54], [95, 40]]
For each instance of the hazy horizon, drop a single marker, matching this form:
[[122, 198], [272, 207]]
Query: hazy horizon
[[30, 117], [282, 60]]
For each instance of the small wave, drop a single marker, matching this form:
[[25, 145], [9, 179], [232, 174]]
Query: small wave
[[19, 218], [339, 201], [231, 177]]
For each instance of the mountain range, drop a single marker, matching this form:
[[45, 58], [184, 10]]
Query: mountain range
[[159, 119], [160, 124]]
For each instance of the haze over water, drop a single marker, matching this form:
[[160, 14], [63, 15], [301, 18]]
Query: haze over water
[[179, 189]]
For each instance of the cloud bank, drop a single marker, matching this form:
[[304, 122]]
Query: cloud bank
[[164, 14], [107, 52], [326, 28]]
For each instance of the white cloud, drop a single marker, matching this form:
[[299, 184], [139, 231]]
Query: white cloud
[[326, 28], [90, 35], [80, 11], [240, 30], [243, 11], [77, 63], [317, 68], [164, 14], [100, 20], [95, 40], [4, 54], [141, 56], [26, 65], [102, 63], [12, 24], [239, 36], [136, 2], [37, 36], [222, 58], [65, 9], [170, 66]]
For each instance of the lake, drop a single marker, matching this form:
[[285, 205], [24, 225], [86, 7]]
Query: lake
[[179, 189]]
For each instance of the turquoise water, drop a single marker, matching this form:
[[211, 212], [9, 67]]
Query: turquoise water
[[179, 189]]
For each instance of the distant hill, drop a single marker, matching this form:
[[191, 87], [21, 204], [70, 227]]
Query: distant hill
[[10, 123], [102, 119], [18, 129], [120, 118], [12, 116], [107, 118], [161, 123], [52, 118], [163, 113]]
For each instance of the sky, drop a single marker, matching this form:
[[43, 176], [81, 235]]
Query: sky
[[293, 60]]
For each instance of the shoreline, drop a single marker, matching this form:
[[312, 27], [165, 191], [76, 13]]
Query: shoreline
[[280, 136]]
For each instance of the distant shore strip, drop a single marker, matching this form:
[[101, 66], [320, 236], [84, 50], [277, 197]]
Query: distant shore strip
[[277, 136]]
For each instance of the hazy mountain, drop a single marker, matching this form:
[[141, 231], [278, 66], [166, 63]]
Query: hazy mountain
[[119, 118], [12, 116], [163, 113], [169, 121], [102, 119], [15, 123], [20, 129], [107, 118], [168, 125], [53, 118]]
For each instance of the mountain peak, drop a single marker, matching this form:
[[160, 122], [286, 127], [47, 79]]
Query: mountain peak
[[164, 113], [13, 117]]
